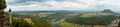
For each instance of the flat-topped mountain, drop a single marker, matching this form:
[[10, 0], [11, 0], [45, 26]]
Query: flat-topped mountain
[[107, 11]]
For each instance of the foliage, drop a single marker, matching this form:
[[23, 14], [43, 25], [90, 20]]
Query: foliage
[[96, 20], [39, 22], [2, 5], [21, 23]]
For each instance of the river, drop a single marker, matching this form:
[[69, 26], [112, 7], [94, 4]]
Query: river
[[56, 24]]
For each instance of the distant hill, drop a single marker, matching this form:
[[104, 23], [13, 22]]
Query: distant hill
[[107, 11], [97, 18]]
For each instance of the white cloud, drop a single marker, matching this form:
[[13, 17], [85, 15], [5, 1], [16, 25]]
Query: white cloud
[[10, 0], [65, 5], [54, 6]]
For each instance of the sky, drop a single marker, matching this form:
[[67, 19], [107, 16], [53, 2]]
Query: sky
[[32, 5]]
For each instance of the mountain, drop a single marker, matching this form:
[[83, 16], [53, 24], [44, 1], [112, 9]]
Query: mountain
[[107, 11]]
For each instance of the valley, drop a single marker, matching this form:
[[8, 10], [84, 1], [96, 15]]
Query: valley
[[64, 18]]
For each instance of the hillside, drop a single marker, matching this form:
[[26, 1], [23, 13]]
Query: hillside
[[18, 22], [98, 18]]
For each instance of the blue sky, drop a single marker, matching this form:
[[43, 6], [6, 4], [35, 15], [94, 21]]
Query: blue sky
[[22, 5]]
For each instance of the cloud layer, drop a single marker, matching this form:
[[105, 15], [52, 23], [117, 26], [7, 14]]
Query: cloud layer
[[19, 5]]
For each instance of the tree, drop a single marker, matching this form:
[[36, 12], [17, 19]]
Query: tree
[[2, 4]]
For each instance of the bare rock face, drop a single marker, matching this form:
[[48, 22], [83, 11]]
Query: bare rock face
[[107, 11]]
